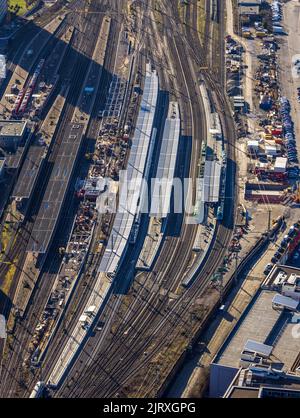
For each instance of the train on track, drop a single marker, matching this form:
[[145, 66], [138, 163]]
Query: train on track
[[25, 94], [38, 390]]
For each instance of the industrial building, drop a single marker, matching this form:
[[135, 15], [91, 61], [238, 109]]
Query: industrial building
[[11, 134], [50, 209], [3, 9], [262, 350]]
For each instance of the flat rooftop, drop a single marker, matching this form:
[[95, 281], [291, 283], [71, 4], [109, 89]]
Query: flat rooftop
[[14, 159], [12, 128], [261, 323], [249, 10], [264, 192], [57, 187]]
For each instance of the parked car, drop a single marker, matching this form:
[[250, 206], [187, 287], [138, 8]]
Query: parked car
[[268, 268]]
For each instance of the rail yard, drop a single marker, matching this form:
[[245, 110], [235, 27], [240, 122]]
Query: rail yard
[[148, 170]]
